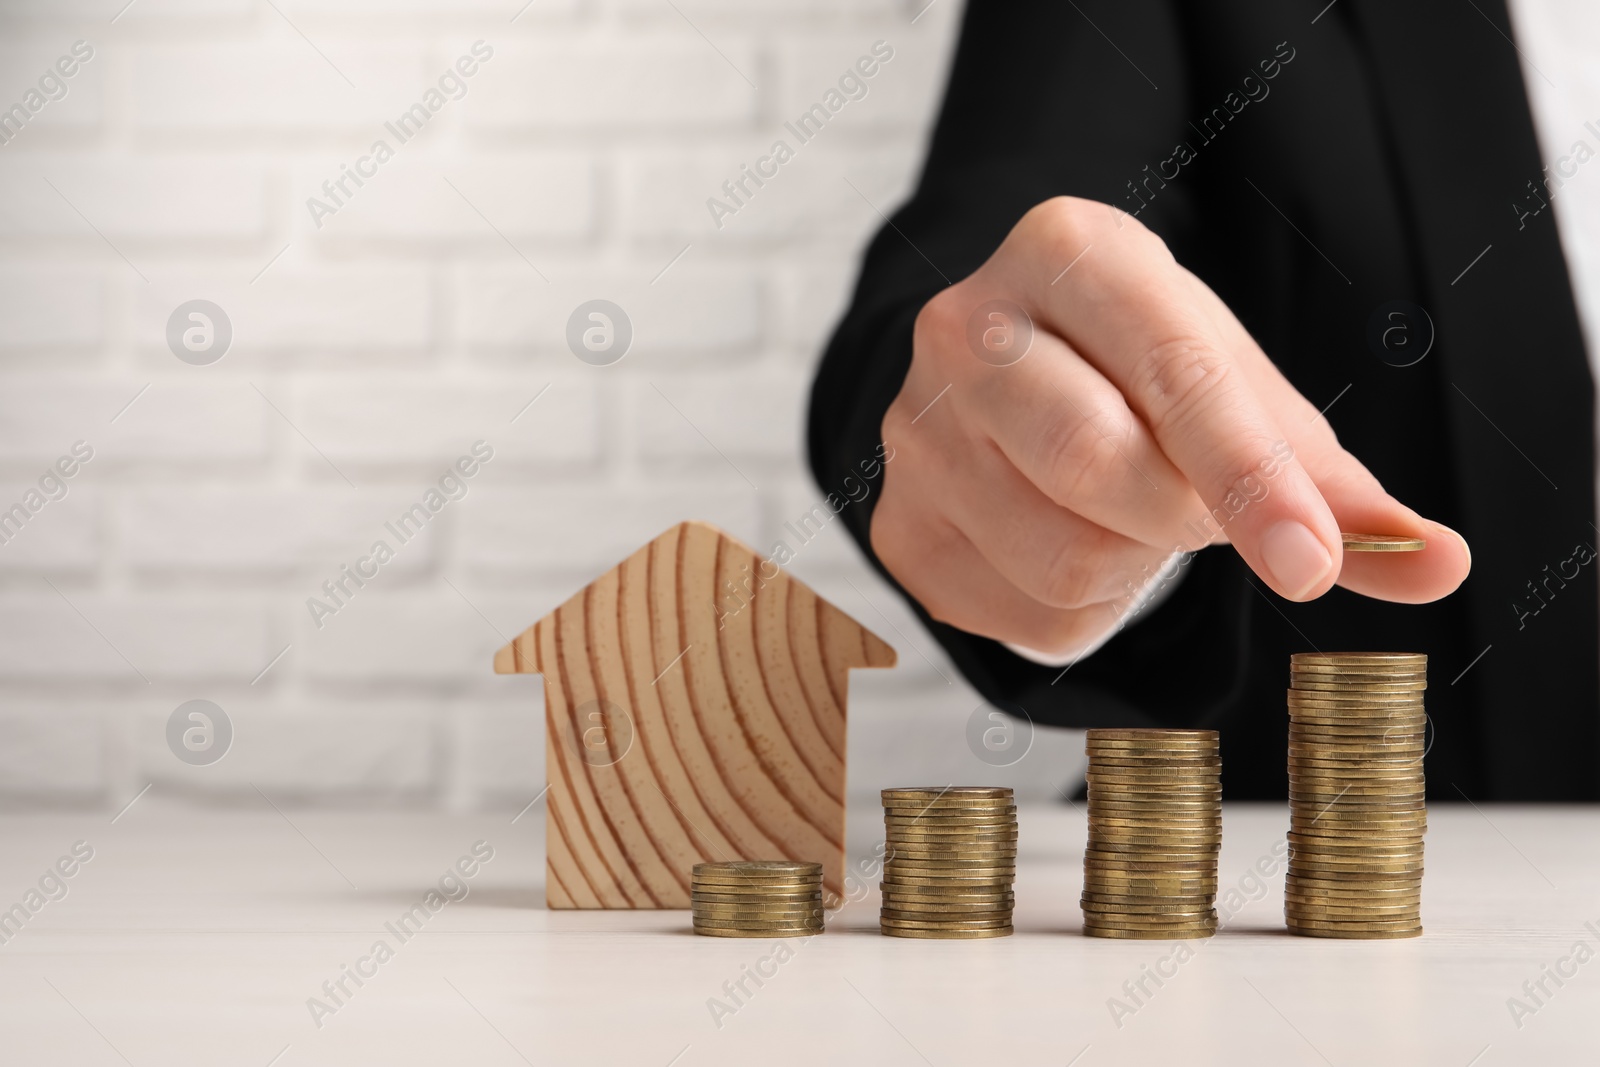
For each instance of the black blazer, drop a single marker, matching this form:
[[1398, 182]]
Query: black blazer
[[1388, 158]]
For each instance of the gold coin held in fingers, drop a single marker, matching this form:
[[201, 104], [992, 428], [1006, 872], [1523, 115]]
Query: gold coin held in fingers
[[1355, 542]]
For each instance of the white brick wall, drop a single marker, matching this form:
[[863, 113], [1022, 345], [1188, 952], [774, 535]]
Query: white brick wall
[[238, 89], [370, 351], [378, 308], [79, 201], [51, 309]]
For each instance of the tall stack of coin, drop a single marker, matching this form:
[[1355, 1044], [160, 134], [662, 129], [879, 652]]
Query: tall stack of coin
[[1356, 804], [950, 862], [1155, 827], [757, 898]]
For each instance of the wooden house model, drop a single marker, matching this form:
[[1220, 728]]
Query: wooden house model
[[695, 709]]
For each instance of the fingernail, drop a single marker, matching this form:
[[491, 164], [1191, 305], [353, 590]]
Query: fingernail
[[1295, 558], [1464, 546]]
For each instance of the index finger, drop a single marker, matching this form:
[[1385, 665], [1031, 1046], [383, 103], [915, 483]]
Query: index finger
[[1132, 317]]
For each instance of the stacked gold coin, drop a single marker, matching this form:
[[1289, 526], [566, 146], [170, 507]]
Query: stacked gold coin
[[950, 862], [1155, 827], [757, 898], [1356, 805]]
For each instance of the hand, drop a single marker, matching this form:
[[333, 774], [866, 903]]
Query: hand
[[1030, 501]]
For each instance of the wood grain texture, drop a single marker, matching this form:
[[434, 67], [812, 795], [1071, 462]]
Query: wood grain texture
[[695, 709]]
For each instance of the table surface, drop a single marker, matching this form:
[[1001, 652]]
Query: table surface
[[199, 938]]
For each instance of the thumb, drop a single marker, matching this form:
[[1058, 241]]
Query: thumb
[[1361, 505]]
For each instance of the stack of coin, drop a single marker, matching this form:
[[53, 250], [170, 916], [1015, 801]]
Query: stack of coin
[[1356, 804], [950, 862], [1155, 827], [757, 898]]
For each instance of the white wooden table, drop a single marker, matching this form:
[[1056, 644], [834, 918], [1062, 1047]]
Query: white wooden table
[[195, 938]]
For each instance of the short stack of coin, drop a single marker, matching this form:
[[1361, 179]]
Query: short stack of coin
[[1155, 827], [950, 863], [757, 898], [1356, 801]]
